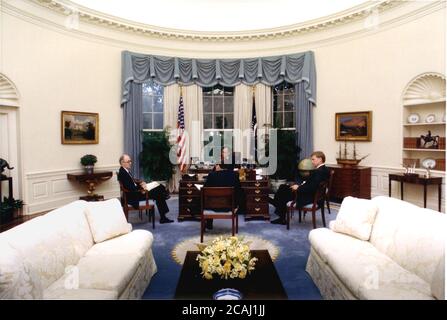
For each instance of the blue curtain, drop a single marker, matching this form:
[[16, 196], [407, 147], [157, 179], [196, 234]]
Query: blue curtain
[[133, 125]]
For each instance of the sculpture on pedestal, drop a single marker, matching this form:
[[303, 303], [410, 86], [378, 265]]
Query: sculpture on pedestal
[[4, 164]]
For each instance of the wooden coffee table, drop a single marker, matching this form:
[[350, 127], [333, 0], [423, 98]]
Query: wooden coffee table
[[262, 283]]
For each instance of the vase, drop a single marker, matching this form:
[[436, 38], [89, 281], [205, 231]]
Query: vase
[[89, 169]]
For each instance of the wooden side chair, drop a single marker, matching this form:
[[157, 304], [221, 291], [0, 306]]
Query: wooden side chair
[[218, 203], [147, 204], [328, 190], [318, 204]]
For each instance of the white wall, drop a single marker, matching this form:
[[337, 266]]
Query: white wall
[[57, 69]]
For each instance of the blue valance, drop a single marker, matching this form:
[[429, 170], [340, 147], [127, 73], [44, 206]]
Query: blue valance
[[293, 68]]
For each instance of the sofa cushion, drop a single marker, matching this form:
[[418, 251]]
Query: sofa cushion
[[107, 272], [366, 272], [17, 279], [137, 241], [355, 218], [438, 281], [107, 219], [412, 236], [59, 290]]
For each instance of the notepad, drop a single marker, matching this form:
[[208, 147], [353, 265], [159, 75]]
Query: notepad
[[258, 171], [151, 185], [258, 177]]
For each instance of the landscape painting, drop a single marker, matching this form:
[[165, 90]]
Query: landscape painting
[[353, 126], [79, 127]]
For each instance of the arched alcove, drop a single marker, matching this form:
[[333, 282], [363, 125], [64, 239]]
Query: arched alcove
[[9, 134], [424, 116]]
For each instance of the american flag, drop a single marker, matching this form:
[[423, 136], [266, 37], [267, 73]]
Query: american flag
[[181, 149]]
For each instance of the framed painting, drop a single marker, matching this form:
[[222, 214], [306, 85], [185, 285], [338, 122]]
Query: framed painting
[[79, 127], [353, 126]]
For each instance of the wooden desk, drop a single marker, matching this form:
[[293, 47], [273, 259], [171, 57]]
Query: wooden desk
[[256, 191], [262, 283], [416, 180], [91, 180]]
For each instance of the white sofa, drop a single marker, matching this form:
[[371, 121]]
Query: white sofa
[[382, 248], [83, 250]]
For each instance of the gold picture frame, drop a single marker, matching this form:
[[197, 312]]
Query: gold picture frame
[[79, 127], [353, 126]]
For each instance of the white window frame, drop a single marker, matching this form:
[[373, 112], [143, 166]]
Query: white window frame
[[152, 112], [282, 112]]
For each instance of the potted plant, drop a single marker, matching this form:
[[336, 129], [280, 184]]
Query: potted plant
[[286, 158], [7, 208], [88, 161], [154, 159]]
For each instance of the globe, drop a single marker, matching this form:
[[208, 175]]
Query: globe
[[305, 166]]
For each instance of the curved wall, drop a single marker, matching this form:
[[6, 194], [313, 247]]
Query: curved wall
[[359, 67]]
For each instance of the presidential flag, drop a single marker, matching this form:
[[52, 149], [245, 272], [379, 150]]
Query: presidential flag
[[181, 149], [254, 125]]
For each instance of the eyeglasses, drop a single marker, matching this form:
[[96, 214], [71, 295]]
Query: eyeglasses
[[128, 161]]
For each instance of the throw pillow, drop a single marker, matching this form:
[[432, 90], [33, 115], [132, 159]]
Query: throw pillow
[[106, 219], [355, 218]]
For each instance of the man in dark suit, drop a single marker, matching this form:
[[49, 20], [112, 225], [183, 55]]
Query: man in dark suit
[[305, 191], [138, 188], [224, 176]]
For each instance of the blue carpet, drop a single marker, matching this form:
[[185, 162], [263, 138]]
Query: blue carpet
[[293, 249]]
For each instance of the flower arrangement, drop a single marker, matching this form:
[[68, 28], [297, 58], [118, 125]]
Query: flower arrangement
[[228, 257]]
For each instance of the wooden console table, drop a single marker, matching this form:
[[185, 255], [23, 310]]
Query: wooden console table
[[91, 180], [416, 180]]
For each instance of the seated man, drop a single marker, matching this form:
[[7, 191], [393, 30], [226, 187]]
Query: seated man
[[159, 193], [227, 158], [224, 176], [305, 191]]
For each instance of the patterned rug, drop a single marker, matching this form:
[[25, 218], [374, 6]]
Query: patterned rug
[[192, 244]]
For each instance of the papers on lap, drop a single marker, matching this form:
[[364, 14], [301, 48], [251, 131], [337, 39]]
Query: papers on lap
[[151, 185]]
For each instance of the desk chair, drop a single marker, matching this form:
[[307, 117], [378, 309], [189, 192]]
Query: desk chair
[[218, 203], [318, 204], [146, 204]]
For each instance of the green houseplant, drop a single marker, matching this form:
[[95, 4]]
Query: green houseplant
[[88, 161], [154, 159], [286, 158], [7, 208]]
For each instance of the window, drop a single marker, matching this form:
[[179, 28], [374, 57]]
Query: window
[[218, 120], [152, 107], [284, 106], [218, 108]]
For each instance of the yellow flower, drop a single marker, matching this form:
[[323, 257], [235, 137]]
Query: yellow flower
[[227, 257]]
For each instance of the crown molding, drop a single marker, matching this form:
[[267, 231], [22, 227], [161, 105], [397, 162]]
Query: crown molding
[[66, 7], [283, 40]]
